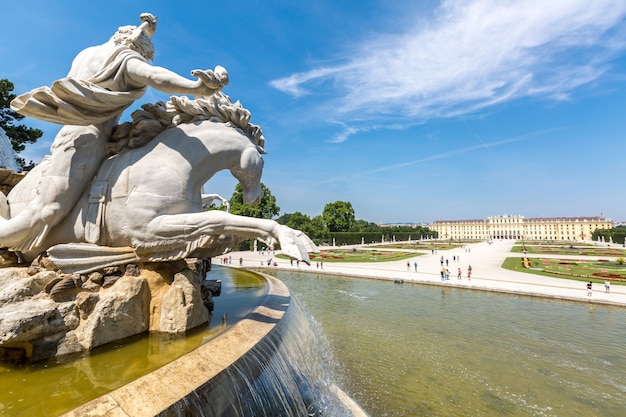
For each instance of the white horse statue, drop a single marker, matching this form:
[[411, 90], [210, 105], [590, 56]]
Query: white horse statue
[[146, 202]]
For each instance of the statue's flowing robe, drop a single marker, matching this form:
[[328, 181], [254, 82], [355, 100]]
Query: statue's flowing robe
[[83, 106], [84, 102]]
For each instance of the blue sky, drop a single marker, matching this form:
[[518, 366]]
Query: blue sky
[[413, 111]]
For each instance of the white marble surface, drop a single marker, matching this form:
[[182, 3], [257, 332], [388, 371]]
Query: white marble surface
[[144, 202]]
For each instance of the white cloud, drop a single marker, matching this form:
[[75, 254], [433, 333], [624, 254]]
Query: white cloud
[[293, 84], [474, 54]]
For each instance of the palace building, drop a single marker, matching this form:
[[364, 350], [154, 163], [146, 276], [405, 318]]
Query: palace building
[[519, 227]]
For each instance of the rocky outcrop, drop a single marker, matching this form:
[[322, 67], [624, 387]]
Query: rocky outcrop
[[45, 313]]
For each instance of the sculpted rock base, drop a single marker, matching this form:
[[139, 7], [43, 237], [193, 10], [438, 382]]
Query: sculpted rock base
[[46, 313]]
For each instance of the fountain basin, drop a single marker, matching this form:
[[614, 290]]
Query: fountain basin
[[210, 380]]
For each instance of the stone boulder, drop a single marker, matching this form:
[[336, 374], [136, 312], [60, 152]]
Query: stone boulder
[[179, 306], [45, 313]]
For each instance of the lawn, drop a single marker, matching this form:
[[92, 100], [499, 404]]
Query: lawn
[[360, 255], [420, 246], [584, 250], [596, 270]]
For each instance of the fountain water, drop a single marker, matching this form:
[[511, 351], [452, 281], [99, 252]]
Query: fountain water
[[287, 374]]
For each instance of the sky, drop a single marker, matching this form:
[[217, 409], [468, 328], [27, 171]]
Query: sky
[[412, 111]]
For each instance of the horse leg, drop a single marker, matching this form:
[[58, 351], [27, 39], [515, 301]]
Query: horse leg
[[190, 227]]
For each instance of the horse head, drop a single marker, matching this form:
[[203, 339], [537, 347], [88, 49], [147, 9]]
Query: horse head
[[249, 173]]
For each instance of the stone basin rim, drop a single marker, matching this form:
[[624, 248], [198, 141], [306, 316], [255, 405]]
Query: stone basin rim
[[165, 389]]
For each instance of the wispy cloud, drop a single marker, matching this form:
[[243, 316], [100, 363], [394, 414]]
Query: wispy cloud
[[473, 55], [294, 83], [455, 152], [481, 145]]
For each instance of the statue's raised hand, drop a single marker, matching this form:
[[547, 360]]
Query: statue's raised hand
[[211, 81]]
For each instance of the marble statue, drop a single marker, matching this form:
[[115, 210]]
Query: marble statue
[[102, 82], [111, 194], [111, 221], [7, 154]]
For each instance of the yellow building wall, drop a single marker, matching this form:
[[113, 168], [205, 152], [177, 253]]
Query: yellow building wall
[[518, 227]]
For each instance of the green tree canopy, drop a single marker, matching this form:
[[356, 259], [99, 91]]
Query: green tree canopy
[[338, 216], [364, 226], [315, 227], [298, 220], [618, 234], [266, 209], [18, 134]]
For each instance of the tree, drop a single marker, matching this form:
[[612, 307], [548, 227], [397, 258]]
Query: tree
[[284, 218], [338, 216], [618, 234], [315, 227], [364, 226], [266, 209], [298, 220], [19, 135], [318, 227], [311, 227]]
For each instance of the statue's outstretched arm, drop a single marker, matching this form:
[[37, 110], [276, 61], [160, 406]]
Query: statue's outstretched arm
[[209, 82]]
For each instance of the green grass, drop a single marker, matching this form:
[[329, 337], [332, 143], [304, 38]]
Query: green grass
[[359, 255], [579, 270], [419, 246], [569, 250], [552, 243]]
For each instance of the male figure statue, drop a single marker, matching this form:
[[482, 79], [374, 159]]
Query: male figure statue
[[103, 81]]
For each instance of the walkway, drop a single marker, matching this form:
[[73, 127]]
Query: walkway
[[486, 260]]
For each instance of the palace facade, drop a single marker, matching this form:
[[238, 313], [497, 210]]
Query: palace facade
[[519, 227]]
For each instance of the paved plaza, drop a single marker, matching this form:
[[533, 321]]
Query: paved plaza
[[485, 259]]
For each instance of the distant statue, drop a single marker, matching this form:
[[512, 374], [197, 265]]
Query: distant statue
[[144, 202], [102, 82], [7, 154]]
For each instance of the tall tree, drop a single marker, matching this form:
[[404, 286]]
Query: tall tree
[[297, 220], [19, 135], [364, 226], [302, 222], [315, 227], [266, 209], [338, 216]]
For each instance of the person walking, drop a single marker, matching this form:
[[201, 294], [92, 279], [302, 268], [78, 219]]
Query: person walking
[[607, 286], [589, 288], [458, 273]]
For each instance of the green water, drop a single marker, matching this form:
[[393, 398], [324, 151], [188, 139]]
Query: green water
[[57, 386], [410, 350]]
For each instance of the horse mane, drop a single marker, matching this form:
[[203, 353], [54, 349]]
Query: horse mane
[[153, 119]]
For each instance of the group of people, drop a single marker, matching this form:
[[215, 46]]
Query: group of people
[[607, 287], [445, 273]]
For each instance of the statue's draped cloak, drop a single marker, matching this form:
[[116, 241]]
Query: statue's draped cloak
[[84, 102]]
